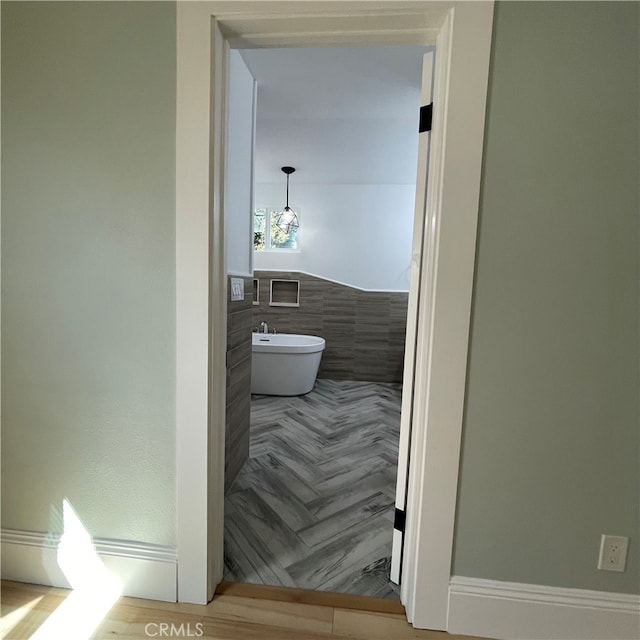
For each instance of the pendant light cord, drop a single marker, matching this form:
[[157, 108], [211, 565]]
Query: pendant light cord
[[287, 207], [288, 171]]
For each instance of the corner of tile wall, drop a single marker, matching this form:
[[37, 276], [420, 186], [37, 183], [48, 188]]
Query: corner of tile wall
[[238, 404]]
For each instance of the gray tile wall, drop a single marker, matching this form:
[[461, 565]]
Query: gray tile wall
[[364, 330], [238, 410]]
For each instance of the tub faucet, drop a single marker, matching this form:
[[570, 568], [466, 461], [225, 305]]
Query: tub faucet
[[264, 327]]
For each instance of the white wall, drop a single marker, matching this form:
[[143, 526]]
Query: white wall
[[239, 167], [359, 235], [347, 120]]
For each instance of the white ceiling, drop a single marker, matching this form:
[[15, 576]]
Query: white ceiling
[[338, 115]]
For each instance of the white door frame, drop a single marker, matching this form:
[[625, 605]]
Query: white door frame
[[461, 32]]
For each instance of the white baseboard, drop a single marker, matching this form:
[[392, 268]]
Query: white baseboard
[[143, 570], [514, 611]]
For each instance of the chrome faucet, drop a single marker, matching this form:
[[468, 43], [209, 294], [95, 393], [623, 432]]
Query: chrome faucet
[[264, 327]]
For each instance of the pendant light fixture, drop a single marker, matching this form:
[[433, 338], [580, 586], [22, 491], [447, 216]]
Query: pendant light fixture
[[287, 219]]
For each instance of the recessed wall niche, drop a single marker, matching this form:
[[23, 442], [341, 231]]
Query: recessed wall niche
[[284, 293]]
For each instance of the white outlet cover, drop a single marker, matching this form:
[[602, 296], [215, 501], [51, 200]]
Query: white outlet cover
[[613, 553], [237, 289]]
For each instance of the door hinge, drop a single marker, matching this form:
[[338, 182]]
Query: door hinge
[[399, 520], [426, 115]]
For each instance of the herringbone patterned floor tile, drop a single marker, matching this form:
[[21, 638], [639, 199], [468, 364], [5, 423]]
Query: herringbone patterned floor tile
[[313, 505]]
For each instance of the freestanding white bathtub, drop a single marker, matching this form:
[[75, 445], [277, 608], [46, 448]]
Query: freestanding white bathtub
[[284, 364]]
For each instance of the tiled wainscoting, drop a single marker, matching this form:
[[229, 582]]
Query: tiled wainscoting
[[238, 417], [364, 330]]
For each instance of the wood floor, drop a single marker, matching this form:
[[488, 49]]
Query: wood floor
[[313, 506], [231, 615]]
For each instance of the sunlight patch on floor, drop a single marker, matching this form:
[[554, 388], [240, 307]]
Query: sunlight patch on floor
[[13, 618], [95, 589]]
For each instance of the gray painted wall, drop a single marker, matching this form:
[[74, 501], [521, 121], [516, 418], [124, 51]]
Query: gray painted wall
[[550, 447], [88, 267]]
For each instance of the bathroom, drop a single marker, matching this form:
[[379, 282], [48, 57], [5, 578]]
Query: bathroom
[[346, 120]]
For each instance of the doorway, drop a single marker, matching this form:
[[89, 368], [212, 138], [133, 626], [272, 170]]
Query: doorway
[[312, 505], [451, 213]]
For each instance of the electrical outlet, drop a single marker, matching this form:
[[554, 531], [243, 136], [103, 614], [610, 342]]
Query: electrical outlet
[[613, 553]]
